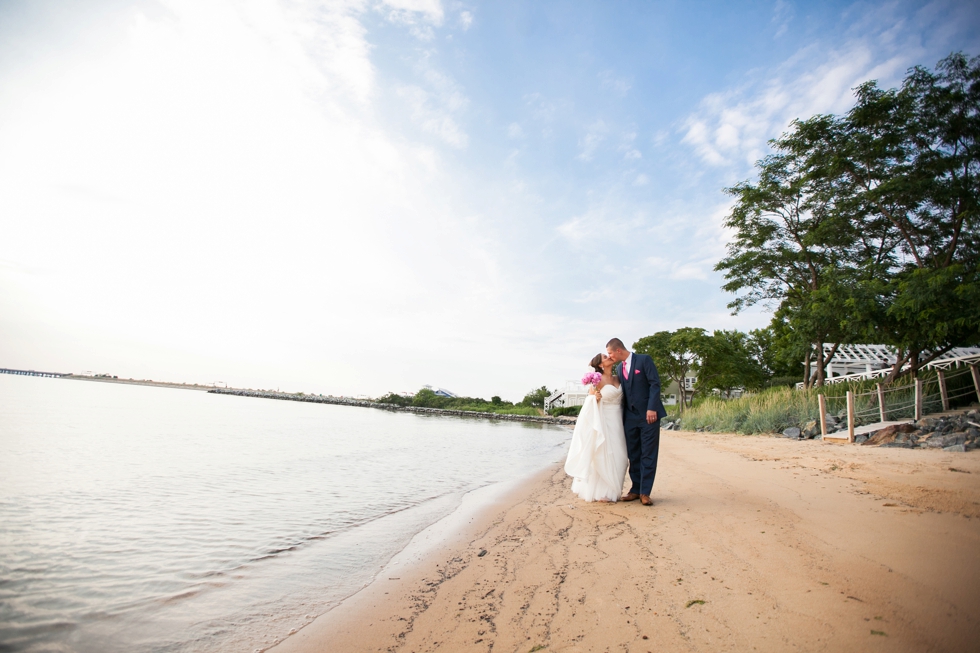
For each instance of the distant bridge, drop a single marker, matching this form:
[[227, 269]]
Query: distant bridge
[[52, 375]]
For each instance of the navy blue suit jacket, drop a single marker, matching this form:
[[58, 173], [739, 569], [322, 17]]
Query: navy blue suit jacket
[[641, 392]]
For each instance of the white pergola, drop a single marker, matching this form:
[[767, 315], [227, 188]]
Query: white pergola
[[573, 394], [856, 362]]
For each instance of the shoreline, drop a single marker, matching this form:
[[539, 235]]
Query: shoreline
[[360, 403], [156, 384], [319, 399], [424, 562], [753, 543]]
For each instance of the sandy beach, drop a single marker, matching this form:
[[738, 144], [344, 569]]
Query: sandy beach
[[754, 543]]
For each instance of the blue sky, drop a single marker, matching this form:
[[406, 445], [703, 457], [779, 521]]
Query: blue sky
[[362, 196]]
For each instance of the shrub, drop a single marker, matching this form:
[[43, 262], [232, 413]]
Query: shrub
[[565, 410]]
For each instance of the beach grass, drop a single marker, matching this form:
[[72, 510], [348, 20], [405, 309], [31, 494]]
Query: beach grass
[[776, 409]]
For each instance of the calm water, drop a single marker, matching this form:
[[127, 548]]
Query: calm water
[[150, 519]]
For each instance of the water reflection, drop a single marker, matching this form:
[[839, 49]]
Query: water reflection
[[148, 519]]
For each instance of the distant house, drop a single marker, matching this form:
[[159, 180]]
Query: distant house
[[573, 394], [441, 392], [671, 393]]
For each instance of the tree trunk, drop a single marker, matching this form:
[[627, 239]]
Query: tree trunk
[[806, 371], [820, 369], [681, 394], [826, 361], [900, 360], [914, 362]]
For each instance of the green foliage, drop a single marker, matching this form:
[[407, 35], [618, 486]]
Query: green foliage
[[535, 398], [866, 227], [728, 361], [572, 411], [426, 398], [676, 354], [769, 411], [722, 361], [778, 408], [394, 399]]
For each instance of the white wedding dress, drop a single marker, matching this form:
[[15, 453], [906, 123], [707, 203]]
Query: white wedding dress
[[597, 457]]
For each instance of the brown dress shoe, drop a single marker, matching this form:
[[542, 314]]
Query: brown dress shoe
[[632, 496], [646, 500]]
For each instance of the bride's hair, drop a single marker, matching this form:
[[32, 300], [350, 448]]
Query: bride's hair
[[596, 363]]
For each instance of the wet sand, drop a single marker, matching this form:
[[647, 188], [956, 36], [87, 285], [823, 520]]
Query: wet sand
[[754, 543]]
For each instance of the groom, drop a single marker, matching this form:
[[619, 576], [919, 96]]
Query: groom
[[642, 412]]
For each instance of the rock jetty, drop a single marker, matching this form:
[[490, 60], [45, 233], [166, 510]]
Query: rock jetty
[[361, 403], [955, 433]]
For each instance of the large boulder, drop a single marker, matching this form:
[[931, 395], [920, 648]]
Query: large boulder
[[888, 434], [811, 429], [792, 432], [884, 436]]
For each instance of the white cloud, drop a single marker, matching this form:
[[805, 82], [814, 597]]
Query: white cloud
[[514, 131], [410, 11], [596, 228], [782, 16], [435, 109], [208, 198], [630, 153], [465, 20], [732, 127], [641, 180], [590, 141], [618, 85]]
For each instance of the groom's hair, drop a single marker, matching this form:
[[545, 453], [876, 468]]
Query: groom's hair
[[616, 343]]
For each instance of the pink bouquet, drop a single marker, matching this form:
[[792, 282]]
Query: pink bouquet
[[592, 378]]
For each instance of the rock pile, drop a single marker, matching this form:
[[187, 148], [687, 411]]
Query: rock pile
[[811, 430], [949, 433]]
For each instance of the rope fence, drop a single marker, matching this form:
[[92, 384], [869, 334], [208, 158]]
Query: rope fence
[[910, 401]]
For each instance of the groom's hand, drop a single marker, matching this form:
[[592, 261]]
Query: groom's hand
[[651, 416]]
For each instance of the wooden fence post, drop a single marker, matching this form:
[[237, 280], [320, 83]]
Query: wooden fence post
[[850, 416], [941, 377], [822, 402], [976, 379], [918, 399], [881, 402]]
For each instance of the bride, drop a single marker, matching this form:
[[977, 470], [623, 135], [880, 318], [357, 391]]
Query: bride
[[597, 457]]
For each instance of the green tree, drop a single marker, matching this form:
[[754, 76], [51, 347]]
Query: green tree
[[727, 362], [676, 354], [426, 398], [865, 227], [912, 160], [395, 399], [775, 356], [535, 398], [789, 239]]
